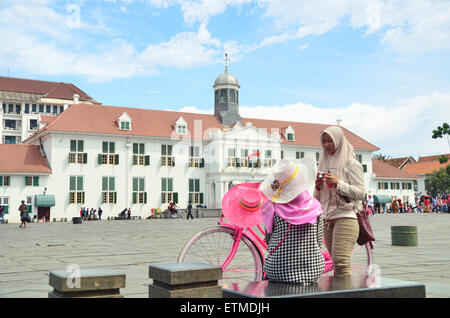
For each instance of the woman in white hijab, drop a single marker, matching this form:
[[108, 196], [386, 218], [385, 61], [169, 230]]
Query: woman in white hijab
[[340, 190]]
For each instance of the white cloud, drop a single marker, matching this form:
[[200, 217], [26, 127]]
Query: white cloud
[[401, 129]]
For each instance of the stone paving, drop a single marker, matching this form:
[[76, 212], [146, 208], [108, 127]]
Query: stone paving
[[27, 255]]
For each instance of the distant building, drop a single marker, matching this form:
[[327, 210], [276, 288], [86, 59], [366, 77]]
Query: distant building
[[24, 102]]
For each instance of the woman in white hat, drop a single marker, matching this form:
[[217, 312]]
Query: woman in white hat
[[340, 190], [293, 222]]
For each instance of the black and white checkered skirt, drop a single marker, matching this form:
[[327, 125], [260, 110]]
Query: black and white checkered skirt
[[298, 259]]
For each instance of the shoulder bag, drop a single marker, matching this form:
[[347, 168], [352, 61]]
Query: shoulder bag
[[365, 230]]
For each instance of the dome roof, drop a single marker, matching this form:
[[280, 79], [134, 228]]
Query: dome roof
[[226, 79]]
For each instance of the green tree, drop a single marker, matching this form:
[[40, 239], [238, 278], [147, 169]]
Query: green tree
[[381, 157], [438, 181], [441, 132]]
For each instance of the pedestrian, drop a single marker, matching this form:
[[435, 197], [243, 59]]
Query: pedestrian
[[100, 211], [293, 223], [394, 206], [189, 210], [2, 214], [129, 213], [340, 190], [426, 202], [23, 214], [370, 204]]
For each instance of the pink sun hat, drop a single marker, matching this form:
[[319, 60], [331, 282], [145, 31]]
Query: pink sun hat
[[242, 204]]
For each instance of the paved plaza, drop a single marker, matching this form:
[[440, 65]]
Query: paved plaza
[[27, 255]]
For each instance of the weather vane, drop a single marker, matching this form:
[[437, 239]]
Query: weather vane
[[226, 59]]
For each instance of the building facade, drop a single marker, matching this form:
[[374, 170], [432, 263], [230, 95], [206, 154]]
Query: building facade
[[119, 157], [23, 102]]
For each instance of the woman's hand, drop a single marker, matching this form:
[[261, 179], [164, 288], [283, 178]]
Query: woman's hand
[[330, 179], [319, 182]]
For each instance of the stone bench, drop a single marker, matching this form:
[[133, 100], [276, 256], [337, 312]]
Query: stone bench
[[356, 286], [185, 280], [89, 283]]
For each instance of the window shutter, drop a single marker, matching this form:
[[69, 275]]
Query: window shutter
[[115, 197], [175, 197], [73, 146], [163, 184], [111, 147], [72, 185], [35, 181], [104, 197], [201, 198], [100, 159], [85, 158], [191, 198], [135, 148], [1, 181], [80, 183], [29, 208], [80, 145], [197, 185], [117, 159], [191, 185], [170, 184], [134, 197], [105, 147], [163, 197], [141, 184], [147, 160], [104, 183], [173, 161], [141, 149], [135, 184], [6, 209], [134, 159], [202, 163], [145, 197], [112, 185], [26, 179]]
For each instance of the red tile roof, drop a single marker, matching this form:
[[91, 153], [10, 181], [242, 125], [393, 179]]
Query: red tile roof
[[47, 119], [22, 159], [421, 168], [385, 170], [57, 90], [157, 123], [432, 158], [399, 162]]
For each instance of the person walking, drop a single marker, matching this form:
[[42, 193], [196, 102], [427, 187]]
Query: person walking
[[100, 211], [23, 214], [2, 214], [189, 210], [370, 204], [340, 190]]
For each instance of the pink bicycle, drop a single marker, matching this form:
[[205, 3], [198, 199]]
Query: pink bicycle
[[241, 252]]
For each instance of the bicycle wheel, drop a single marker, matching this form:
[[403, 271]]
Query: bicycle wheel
[[213, 246], [360, 260]]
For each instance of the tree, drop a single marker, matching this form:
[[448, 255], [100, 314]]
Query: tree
[[443, 159], [438, 181], [442, 132], [381, 157]]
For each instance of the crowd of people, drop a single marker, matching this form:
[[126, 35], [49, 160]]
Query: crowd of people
[[87, 214], [426, 204]]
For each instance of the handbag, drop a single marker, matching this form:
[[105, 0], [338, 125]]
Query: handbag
[[365, 230]]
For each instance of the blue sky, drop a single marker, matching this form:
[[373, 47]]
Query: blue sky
[[382, 66]]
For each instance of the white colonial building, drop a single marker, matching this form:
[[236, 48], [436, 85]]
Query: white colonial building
[[119, 157]]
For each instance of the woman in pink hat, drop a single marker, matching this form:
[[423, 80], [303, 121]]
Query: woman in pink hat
[[341, 197], [293, 223]]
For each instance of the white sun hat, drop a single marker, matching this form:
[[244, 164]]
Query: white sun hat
[[294, 178]]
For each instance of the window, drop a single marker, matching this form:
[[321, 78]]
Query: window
[[76, 187], [109, 195], [223, 95], [139, 194], [17, 109], [166, 156], [359, 157], [195, 161], [5, 181], [48, 109], [55, 109], [232, 96], [364, 168], [4, 202], [33, 124], [254, 162], [317, 156], [61, 109], [33, 108], [299, 154], [195, 196], [282, 154], [406, 185], [124, 125], [41, 108], [76, 154], [31, 181], [383, 186], [181, 129], [10, 124], [167, 194], [108, 157], [243, 160], [290, 137], [231, 160], [27, 108], [10, 139], [395, 185], [139, 157]]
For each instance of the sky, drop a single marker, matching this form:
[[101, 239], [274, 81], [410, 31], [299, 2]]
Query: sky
[[382, 66]]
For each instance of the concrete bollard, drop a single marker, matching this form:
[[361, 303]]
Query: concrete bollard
[[90, 283], [185, 280]]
